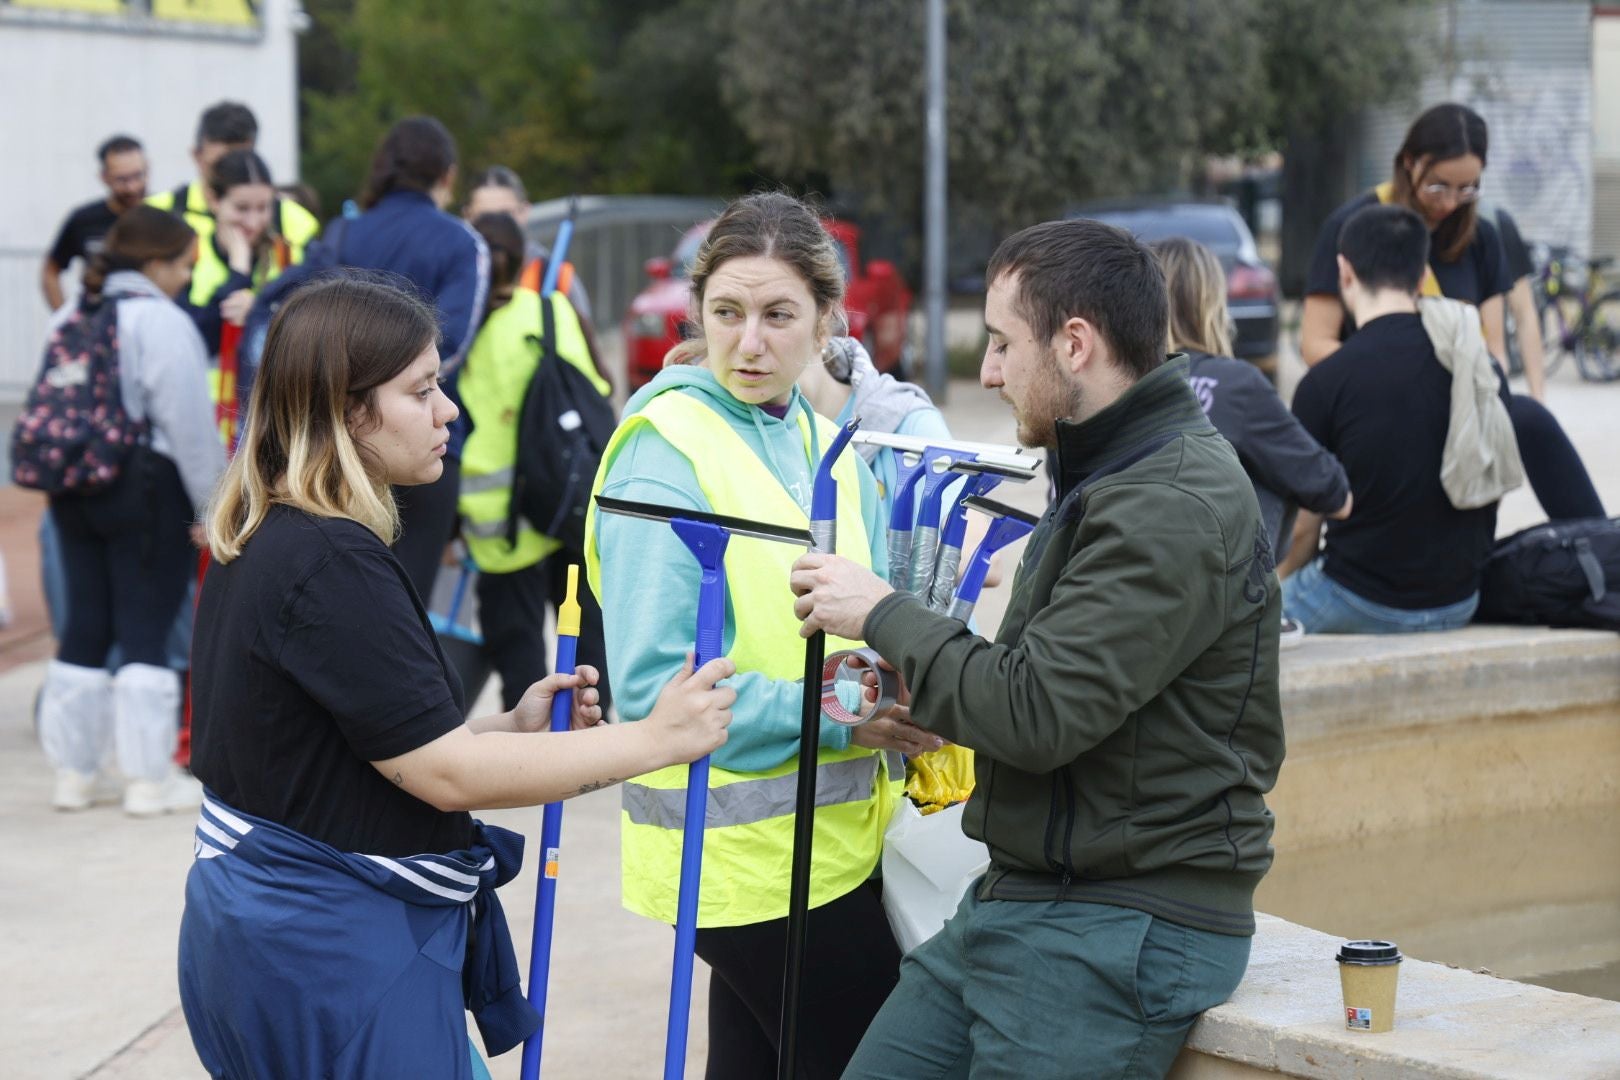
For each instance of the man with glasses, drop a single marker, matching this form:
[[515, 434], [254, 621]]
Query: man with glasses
[[123, 171]]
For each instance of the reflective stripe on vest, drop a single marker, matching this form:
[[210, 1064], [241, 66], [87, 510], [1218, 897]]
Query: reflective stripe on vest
[[749, 816], [493, 380]]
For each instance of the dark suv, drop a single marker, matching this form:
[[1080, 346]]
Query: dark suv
[[1251, 287]]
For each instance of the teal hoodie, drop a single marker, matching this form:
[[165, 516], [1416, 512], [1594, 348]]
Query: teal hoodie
[[650, 580]]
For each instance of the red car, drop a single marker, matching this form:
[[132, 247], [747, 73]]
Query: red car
[[875, 298]]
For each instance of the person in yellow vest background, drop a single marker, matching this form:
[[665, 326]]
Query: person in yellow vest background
[[518, 574], [499, 190], [724, 428], [225, 127]]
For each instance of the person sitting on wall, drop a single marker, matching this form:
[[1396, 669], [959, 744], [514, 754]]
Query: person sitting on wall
[[1407, 558]]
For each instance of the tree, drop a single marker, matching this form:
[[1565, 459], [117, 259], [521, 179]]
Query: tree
[[509, 78], [1050, 101]]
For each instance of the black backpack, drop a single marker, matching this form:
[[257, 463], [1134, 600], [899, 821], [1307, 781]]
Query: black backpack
[[1564, 573], [74, 436], [564, 427]]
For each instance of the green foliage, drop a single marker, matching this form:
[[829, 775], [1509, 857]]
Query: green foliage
[[1050, 101]]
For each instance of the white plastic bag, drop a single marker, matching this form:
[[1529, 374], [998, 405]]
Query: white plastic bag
[[928, 863]]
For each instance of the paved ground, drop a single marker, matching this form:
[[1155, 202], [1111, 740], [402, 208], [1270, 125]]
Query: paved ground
[[90, 902]]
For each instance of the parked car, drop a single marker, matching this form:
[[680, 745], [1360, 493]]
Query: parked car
[[876, 300], [1251, 287]]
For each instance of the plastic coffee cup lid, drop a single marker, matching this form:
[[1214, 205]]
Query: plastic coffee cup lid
[[1369, 952]]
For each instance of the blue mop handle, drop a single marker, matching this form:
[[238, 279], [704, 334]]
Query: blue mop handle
[[925, 540], [545, 897], [559, 251], [902, 512], [951, 538], [1003, 531], [708, 543], [824, 497]]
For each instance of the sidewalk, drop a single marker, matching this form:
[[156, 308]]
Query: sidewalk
[[92, 901]]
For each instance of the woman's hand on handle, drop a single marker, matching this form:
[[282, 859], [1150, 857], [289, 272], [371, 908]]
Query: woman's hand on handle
[[533, 711], [692, 713]]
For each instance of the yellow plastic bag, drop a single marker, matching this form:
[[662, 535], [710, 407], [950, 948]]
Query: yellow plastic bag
[[940, 778]]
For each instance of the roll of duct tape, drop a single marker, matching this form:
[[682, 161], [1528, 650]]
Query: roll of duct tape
[[852, 665]]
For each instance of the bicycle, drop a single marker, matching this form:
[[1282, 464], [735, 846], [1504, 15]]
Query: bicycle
[[1583, 323]]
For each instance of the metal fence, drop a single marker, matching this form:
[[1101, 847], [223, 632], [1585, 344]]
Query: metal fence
[[614, 235]]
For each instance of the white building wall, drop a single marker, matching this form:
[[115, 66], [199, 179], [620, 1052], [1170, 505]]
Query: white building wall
[[1606, 130], [66, 83]]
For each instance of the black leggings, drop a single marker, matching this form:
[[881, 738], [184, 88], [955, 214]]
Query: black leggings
[[427, 519], [851, 964], [511, 614], [127, 557], [1551, 463]]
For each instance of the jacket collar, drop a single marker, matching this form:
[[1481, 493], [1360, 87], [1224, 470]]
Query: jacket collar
[[1158, 403]]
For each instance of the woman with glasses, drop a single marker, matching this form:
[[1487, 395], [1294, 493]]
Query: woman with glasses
[[1437, 174]]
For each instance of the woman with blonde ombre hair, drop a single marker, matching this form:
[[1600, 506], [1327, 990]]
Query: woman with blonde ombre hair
[[1288, 468], [327, 912]]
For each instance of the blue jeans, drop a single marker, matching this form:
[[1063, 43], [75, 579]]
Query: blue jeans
[[1048, 990], [1323, 606]]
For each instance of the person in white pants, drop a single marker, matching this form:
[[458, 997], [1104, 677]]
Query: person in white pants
[[128, 549]]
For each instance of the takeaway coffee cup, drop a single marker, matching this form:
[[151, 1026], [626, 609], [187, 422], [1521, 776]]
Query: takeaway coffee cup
[[1367, 973]]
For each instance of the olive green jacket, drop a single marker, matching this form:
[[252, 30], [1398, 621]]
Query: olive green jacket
[[1126, 720]]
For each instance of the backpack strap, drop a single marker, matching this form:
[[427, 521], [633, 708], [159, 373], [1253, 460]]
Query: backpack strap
[[548, 353]]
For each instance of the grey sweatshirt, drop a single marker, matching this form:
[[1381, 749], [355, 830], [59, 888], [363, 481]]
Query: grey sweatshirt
[[163, 373]]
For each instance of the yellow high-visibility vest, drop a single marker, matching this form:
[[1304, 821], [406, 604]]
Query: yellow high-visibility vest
[[295, 226], [497, 372], [748, 839]]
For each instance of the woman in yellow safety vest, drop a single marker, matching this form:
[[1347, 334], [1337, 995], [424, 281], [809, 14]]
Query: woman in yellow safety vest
[[522, 572], [723, 428], [245, 250]]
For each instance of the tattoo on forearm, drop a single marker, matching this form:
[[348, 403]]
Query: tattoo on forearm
[[399, 779], [598, 785]]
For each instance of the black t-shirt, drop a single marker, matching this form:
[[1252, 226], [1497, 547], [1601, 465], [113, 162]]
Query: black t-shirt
[[1478, 274], [1514, 248], [82, 233], [1381, 404], [312, 658]]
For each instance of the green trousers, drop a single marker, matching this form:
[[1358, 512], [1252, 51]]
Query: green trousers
[[1052, 990]]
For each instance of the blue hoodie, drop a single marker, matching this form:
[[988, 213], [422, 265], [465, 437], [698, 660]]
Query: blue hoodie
[[650, 580]]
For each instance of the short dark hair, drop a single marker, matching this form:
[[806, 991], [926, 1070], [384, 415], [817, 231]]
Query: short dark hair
[[416, 153], [1097, 272], [118, 144], [1387, 246], [228, 122]]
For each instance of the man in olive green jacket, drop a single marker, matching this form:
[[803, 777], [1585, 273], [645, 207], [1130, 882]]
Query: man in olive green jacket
[[1125, 722]]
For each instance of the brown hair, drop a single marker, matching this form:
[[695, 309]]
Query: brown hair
[[1199, 319], [1092, 271], [775, 225], [506, 249], [1443, 133], [332, 344], [141, 234], [416, 153]]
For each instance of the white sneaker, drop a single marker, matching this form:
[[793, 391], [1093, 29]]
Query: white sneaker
[[176, 792], [74, 790], [1292, 635]]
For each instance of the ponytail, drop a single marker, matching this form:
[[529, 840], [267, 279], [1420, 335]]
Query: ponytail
[[141, 234]]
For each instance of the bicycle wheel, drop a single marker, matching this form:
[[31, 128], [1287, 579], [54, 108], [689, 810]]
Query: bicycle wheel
[[1559, 317], [1597, 342]]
